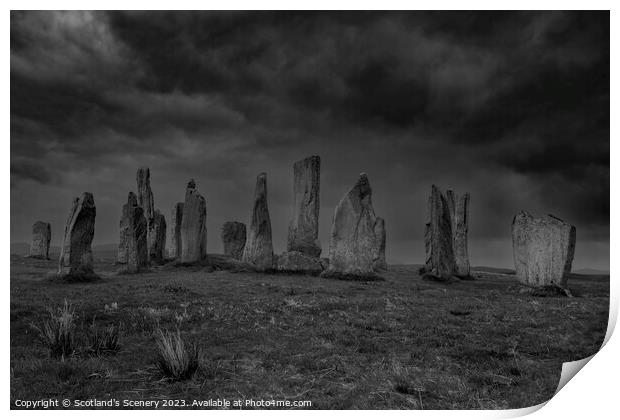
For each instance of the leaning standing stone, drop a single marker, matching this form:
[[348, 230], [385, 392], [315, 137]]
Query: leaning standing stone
[[193, 226], [41, 237], [174, 251], [459, 215], [440, 261], [233, 238], [543, 249], [303, 232], [157, 237], [258, 249], [76, 255], [133, 247], [352, 246]]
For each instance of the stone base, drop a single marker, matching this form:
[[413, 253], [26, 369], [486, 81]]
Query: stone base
[[546, 291], [74, 277], [355, 276], [296, 262]]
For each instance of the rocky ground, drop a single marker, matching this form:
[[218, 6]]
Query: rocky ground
[[400, 343]]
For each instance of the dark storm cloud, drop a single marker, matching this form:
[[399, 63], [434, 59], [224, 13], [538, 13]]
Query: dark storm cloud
[[513, 106]]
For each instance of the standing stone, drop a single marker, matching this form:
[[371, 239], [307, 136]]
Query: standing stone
[[543, 249], [379, 262], [174, 251], [158, 237], [233, 238], [303, 231], [76, 253], [41, 237], [146, 201], [193, 226], [440, 261], [353, 242], [132, 249], [258, 249], [459, 215]]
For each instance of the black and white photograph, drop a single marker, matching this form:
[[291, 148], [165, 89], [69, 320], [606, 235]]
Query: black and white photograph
[[332, 210]]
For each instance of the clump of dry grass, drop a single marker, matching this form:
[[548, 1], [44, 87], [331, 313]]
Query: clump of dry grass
[[58, 332], [176, 359], [103, 341]]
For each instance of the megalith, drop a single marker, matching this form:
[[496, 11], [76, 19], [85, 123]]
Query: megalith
[[440, 262], [146, 201], [379, 262], [543, 249], [132, 249], [459, 216], [76, 255], [174, 250], [41, 237], [353, 241], [233, 238], [258, 250], [303, 231], [157, 237], [193, 226]]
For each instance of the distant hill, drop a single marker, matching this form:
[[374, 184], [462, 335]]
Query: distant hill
[[103, 251], [591, 271]]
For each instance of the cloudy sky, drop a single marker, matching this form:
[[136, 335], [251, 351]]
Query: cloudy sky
[[512, 107]]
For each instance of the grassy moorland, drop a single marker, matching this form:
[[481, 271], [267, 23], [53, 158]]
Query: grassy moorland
[[402, 343]]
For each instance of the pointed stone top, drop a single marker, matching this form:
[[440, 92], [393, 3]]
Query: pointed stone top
[[88, 200], [143, 172], [262, 175], [132, 200], [191, 184], [362, 186]]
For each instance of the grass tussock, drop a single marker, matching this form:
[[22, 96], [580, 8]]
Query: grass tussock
[[176, 359], [102, 341], [57, 333]]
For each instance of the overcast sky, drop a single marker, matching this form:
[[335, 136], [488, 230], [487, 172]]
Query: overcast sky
[[512, 107]]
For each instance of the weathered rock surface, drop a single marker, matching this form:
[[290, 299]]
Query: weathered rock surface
[[258, 249], [298, 262], [146, 201], [233, 238], [157, 237], [41, 237], [132, 249], [353, 242], [459, 215], [76, 255], [174, 251], [440, 261], [303, 232], [543, 249], [193, 226], [379, 262]]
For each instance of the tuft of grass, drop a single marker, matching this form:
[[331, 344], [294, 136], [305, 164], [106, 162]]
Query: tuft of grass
[[58, 332], [103, 340], [176, 359]]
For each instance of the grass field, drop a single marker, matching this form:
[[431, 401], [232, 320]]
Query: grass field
[[404, 343]]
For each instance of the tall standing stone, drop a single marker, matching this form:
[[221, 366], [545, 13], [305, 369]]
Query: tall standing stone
[[193, 226], [76, 255], [158, 237], [353, 242], [174, 251], [379, 256], [146, 201], [459, 215], [258, 249], [233, 238], [303, 232], [543, 249], [132, 249], [41, 237], [440, 262]]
